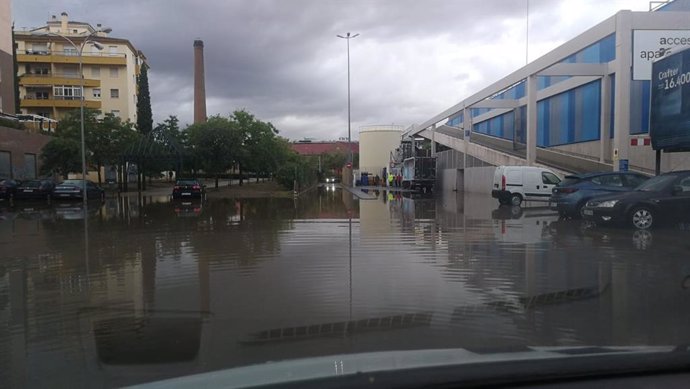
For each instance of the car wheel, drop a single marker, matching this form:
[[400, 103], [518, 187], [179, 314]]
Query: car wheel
[[581, 210], [642, 218], [503, 201], [515, 199]]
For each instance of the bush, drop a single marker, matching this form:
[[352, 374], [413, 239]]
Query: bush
[[11, 123]]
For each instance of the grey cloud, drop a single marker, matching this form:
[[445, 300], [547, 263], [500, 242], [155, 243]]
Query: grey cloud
[[282, 59]]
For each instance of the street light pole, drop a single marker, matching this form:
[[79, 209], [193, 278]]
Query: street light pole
[[80, 50], [349, 121]]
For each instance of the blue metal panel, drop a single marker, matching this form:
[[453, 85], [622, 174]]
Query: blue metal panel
[[543, 123], [571, 99], [591, 112], [607, 49]]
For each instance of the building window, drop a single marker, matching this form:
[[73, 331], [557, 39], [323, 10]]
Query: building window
[[71, 71], [114, 93], [67, 92], [116, 113], [114, 72], [38, 48], [43, 95], [95, 71], [71, 51], [97, 92]]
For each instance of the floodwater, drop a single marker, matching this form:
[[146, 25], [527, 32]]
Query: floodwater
[[153, 289]]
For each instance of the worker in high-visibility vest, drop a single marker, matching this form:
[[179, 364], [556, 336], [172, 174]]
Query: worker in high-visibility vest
[[390, 179]]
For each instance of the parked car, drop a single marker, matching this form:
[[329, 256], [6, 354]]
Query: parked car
[[34, 189], [570, 195], [515, 184], [8, 188], [74, 189], [188, 188], [664, 198]]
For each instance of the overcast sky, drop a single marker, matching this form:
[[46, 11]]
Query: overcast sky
[[281, 59]]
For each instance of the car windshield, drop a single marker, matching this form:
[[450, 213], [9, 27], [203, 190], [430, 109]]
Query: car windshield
[[656, 184], [275, 181], [78, 183], [31, 184]]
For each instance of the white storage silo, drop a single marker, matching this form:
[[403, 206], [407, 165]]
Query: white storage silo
[[375, 146]]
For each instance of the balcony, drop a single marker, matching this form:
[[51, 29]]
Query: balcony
[[55, 79], [32, 102], [54, 56]]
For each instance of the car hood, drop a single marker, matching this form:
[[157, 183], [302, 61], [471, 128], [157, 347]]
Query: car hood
[[434, 366], [625, 196]]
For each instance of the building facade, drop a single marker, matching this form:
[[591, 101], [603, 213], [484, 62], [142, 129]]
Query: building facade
[[48, 70], [6, 62], [583, 106], [328, 147]]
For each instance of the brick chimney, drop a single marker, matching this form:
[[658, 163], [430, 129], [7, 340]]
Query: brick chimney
[[199, 87]]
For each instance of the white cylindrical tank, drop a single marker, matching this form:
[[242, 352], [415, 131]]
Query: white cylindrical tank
[[375, 146]]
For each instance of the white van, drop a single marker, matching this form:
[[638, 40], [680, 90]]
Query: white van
[[515, 184]]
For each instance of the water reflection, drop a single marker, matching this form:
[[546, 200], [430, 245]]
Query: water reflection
[[140, 288]]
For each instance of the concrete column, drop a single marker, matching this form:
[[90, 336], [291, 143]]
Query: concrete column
[[433, 140], [623, 69], [199, 83], [605, 118], [531, 138], [466, 126]]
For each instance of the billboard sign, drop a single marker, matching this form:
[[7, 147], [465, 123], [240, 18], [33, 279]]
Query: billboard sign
[[652, 45], [669, 125]]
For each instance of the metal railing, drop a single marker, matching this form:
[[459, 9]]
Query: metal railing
[[49, 75], [70, 53], [50, 97]]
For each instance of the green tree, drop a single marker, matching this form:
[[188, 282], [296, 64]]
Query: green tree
[[216, 145], [257, 143], [144, 114], [105, 138], [170, 130], [61, 156]]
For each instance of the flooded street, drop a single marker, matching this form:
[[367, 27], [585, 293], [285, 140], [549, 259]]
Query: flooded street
[[154, 289]]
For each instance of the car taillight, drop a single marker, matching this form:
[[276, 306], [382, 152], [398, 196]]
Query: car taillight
[[503, 182], [196, 187], [176, 187]]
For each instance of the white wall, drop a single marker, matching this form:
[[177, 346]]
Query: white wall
[[479, 179]]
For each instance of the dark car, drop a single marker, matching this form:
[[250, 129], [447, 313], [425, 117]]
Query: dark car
[[570, 195], [34, 189], [74, 189], [186, 188], [8, 188], [664, 198]]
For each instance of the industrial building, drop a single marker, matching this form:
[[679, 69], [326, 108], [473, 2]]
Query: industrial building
[[48, 70], [584, 106]]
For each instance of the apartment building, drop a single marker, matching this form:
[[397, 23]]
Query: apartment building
[[48, 69]]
